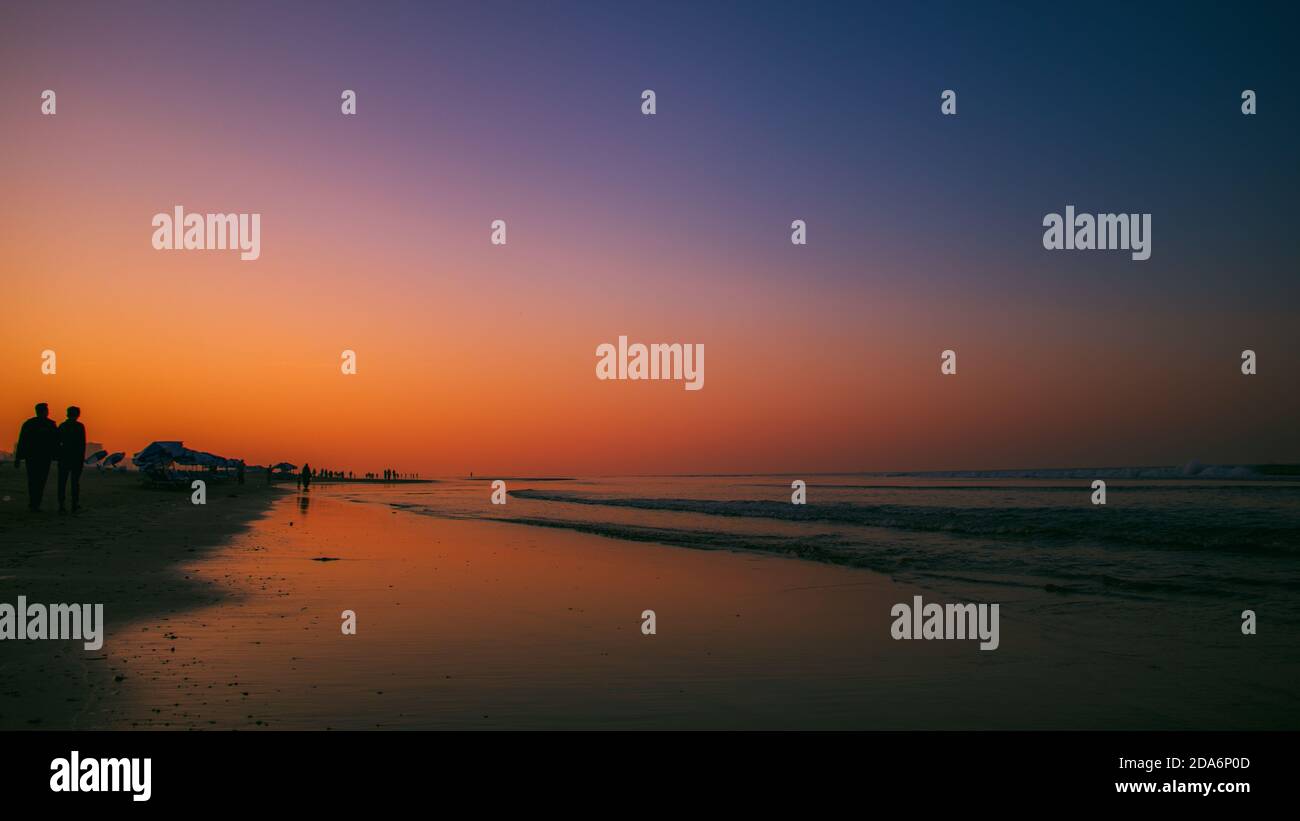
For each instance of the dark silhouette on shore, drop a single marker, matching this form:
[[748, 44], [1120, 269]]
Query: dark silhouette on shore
[[72, 456], [305, 479], [38, 443]]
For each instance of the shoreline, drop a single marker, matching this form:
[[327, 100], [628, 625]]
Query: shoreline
[[476, 624], [125, 551], [481, 623]]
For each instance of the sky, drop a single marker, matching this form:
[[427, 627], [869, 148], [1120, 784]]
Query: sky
[[924, 233]]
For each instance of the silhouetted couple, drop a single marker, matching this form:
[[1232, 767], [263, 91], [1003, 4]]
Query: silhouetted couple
[[40, 442]]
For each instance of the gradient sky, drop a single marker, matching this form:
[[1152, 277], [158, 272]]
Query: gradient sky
[[924, 233]]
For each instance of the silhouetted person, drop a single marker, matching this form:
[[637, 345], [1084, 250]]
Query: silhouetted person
[[239, 472], [306, 476], [72, 457], [269, 471], [38, 442]]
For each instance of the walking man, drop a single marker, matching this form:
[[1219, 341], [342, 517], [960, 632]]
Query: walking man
[[72, 457], [38, 440]]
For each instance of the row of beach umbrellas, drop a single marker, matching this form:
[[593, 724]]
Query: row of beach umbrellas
[[164, 453]]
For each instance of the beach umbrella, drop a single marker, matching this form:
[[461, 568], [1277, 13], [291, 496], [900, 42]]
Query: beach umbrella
[[114, 458], [96, 456], [161, 453]]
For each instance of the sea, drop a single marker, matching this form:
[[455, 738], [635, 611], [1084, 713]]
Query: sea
[[1191, 534]]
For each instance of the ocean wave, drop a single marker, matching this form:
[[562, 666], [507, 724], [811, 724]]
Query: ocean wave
[[1250, 530], [1057, 574], [1193, 469], [1053, 549]]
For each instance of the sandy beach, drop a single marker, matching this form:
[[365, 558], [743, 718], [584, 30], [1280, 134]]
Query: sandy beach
[[229, 617], [122, 550]]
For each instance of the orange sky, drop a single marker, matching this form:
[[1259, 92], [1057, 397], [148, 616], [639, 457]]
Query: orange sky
[[375, 238]]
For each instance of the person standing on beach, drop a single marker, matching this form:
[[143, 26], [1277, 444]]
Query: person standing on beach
[[239, 472], [72, 457], [306, 476], [38, 440]]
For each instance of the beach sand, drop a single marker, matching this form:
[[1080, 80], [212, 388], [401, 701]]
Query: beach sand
[[475, 624], [482, 624], [122, 550]]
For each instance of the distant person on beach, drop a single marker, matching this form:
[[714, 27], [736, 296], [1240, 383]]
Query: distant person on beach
[[72, 457], [306, 476], [38, 443], [239, 472]]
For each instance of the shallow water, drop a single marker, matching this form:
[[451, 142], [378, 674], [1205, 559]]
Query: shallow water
[[1160, 539], [470, 623]]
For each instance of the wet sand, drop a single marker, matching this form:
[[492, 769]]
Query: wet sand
[[122, 550], [473, 624], [480, 624]]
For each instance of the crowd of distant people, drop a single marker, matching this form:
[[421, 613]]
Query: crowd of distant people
[[307, 474]]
